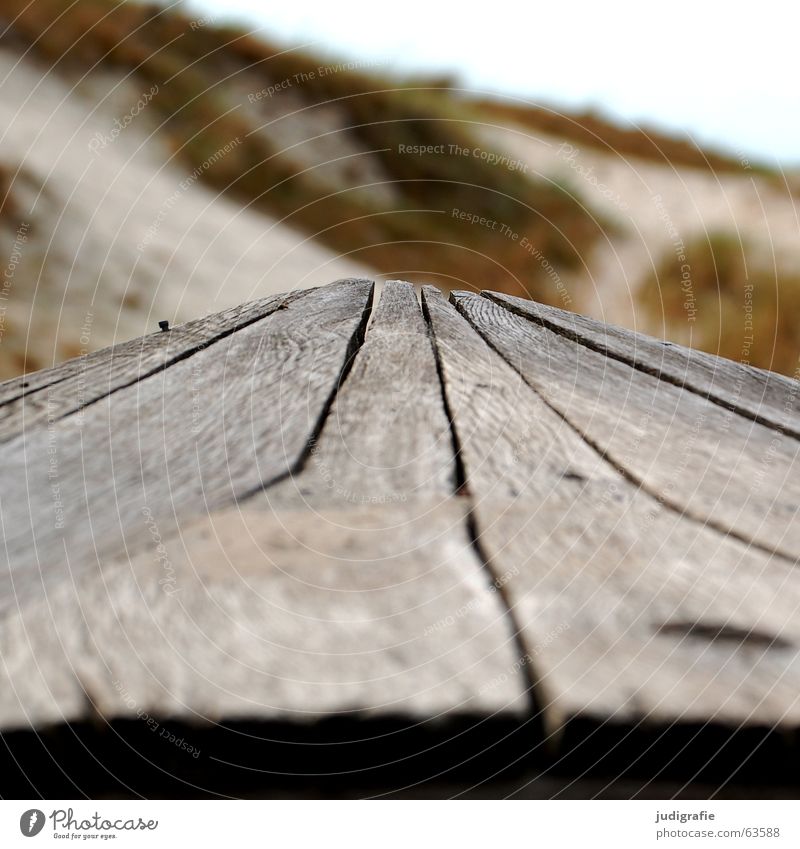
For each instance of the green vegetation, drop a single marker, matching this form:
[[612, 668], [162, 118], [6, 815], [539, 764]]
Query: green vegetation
[[202, 71], [725, 299]]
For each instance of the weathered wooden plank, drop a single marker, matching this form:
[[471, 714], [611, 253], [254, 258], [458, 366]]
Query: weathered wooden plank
[[51, 394], [375, 610], [387, 438], [190, 438], [764, 396], [692, 454], [628, 610], [353, 583]]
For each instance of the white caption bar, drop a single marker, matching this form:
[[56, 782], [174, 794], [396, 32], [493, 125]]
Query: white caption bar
[[401, 824]]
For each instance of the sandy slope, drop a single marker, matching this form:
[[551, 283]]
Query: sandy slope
[[115, 238], [115, 242], [656, 207]]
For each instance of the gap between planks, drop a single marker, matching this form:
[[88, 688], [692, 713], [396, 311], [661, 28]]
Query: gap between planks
[[79, 387], [681, 623], [470, 576], [395, 309], [149, 445], [759, 537], [685, 368], [537, 714]]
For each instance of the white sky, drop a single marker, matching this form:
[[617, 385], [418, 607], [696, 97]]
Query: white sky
[[728, 73]]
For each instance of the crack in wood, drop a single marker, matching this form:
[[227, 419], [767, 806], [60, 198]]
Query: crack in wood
[[723, 633], [639, 365], [462, 489], [622, 470], [354, 346], [98, 367], [184, 355]]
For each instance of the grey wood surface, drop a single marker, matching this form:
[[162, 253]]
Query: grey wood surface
[[387, 438], [763, 396], [51, 394], [343, 579], [177, 444], [627, 610], [372, 610], [709, 463], [302, 509]]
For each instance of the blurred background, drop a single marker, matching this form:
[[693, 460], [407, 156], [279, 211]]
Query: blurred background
[[167, 160]]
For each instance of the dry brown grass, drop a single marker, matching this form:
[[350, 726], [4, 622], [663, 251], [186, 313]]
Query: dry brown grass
[[732, 304], [416, 236], [8, 204], [589, 129]]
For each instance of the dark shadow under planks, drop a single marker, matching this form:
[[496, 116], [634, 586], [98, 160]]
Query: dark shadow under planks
[[763, 396], [184, 441], [629, 610], [52, 394], [712, 463], [347, 758]]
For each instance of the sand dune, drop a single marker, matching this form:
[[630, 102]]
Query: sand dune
[[104, 234], [656, 208]]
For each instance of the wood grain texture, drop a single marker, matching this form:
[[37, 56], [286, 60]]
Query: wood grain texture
[[691, 454], [184, 441], [387, 439], [628, 610], [313, 516], [764, 396], [51, 394], [372, 610]]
